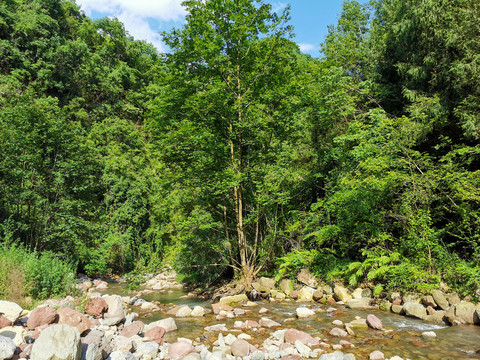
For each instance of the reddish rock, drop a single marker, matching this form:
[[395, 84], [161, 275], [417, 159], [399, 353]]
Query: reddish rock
[[100, 284], [331, 301], [293, 295], [25, 350], [219, 307], [73, 318], [292, 335], [269, 323], [38, 330], [240, 348], [96, 307], [291, 357], [4, 322], [173, 311], [252, 324], [374, 322], [430, 310], [397, 301], [180, 349], [133, 329], [317, 295], [41, 316], [156, 334]]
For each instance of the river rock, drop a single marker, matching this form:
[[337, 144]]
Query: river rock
[[397, 309], [96, 307], [266, 284], [240, 348], [216, 308], [275, 294], [293, 335], [437, 317], [10, 310], [4, 322], [357, 293], [337, 355], [234, 299], [341, 293], [453, 299], [305, 294], [44, 315], [156, 334], [338, 332], [359, 323], [440, 299], [133, 329], [303, 312], [57, 342], [180, 349], [376, 355], [385, 305], [428, 301], [430, 310], [317, 295], [429, 334], [168, 324], [303, 349], [306, 278], [123, 344], [184, 311], [374, 322], [149, 306], [414, 309], [358, 303], [147, 350], [73, 318], [286, 286], [116, 310], [465, 311], [268, 323], [7, 347], [198, 311], [16, 333]]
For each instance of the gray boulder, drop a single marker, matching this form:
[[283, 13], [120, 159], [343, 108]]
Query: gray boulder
[[440, 299], [414, 309], [57, 342], [10, 310], [358, 303], [7, 348]]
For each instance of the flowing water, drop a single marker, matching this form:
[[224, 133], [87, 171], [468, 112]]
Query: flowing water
[[404, 339]]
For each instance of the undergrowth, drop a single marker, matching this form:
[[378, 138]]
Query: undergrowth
[[24, 273]]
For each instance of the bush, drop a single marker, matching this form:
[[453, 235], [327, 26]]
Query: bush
[[25, 273]]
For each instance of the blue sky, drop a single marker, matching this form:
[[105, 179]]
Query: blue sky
[[144, 19]]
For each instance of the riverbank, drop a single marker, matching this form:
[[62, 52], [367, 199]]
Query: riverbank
[[319, 324]]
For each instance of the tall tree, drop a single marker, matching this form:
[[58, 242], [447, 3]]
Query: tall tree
[[219, 124]]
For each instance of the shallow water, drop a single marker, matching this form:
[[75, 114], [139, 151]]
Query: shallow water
[[405, 340]]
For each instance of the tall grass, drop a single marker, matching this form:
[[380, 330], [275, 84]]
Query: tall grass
[[24, 273]]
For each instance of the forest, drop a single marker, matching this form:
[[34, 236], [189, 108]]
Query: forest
[[234, 155]]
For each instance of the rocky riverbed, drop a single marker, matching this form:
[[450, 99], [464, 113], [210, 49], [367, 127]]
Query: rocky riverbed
[[287, 321]]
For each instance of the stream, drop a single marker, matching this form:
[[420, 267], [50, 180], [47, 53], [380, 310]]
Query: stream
[[404, 338]]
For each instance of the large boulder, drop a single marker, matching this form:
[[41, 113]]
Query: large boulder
[[358, 303], [73, 318], [116, 310], [286, 286], [466, 312], [306, 278], [16, 333], [440, 299], [414, 309], [341, 293], [10, 310], [266, 284], [305, 294], [96, 307], [133, 329], [41, 316], [7, 348], [57, 342], [156, 334], [168, 324], [4, 322]]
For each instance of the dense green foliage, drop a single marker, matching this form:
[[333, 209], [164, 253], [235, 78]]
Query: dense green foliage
[[234, 151]]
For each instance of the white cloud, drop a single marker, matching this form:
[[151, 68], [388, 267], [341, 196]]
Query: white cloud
[[135, 15], [278, 6], [307, 48]]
